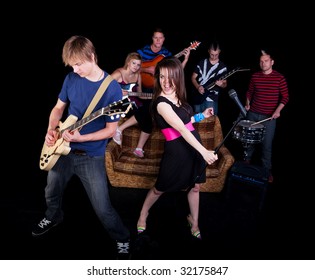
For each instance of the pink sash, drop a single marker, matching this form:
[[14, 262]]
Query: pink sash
[[171, 133]]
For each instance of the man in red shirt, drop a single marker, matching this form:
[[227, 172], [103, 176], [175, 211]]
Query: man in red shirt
[[266, 96]]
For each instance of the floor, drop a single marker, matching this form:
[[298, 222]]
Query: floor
[[232, 224]]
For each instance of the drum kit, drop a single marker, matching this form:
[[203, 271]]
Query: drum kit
[[249, 133]]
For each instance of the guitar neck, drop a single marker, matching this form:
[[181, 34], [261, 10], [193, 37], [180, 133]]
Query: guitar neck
[[143, 95], [225, 76], [192, 46], [115, 108], [84, 121], [179, 54]]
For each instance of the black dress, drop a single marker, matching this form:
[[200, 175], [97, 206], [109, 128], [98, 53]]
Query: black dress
[[181, 163]]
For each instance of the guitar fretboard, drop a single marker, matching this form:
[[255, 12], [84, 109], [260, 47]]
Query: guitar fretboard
[[86, 120], [115, 108], [146, 95], [225, 76]]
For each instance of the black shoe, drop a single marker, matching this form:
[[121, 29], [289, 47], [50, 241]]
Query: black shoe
[[123, 250], [43, 226]]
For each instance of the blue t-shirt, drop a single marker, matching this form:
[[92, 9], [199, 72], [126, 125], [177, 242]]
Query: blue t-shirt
[[78, 92]]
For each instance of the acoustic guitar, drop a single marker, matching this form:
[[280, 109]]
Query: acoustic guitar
[[50, 154], [147, 78]]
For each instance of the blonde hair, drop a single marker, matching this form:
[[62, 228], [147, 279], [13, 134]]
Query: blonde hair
[[130, 56], [78, 48]]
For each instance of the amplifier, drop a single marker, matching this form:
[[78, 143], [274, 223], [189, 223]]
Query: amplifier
[[247, 185]]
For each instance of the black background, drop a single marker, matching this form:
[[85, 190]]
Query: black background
[[33, 43]]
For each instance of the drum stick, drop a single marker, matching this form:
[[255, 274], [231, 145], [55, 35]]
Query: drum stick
[[261, 121]]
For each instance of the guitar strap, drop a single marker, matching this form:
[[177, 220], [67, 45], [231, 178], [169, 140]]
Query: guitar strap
[[98, 95]]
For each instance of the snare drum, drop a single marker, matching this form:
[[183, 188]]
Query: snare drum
[[248, 133]]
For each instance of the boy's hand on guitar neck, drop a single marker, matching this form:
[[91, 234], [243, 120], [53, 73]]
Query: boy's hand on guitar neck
[[71, 136]]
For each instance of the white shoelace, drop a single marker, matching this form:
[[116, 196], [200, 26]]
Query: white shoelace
[[44, 222], [123, 247]]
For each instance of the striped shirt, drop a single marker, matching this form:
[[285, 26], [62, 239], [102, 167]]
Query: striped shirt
[[147, 53], [266, 92]]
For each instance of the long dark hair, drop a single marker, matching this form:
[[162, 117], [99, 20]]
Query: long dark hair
[[176, 76]]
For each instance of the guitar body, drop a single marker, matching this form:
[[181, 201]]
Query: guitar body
[[128, 87], [148, 79], [50, 154]]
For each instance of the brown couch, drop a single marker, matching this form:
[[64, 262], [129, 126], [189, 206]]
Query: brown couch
[[126, 170]]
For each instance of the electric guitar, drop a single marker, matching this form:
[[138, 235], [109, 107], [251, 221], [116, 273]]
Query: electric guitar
[[142, 95], [212, 84], [148, 79], [50, 154]]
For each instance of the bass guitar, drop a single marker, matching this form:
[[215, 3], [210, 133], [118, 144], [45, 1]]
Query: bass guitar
[[50, 154], [147, 78], [142, 95]]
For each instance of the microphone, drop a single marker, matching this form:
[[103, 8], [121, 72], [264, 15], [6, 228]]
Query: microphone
[[233, 95]]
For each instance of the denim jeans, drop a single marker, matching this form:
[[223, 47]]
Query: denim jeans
[[92, 173], [266, 143]]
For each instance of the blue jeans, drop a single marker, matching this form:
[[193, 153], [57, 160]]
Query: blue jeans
[[92, 173], [266, 143]]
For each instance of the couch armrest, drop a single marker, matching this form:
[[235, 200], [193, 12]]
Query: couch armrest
[[225, 158], [113, 152]]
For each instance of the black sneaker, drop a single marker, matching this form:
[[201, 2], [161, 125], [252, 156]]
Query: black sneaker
[[43, 226], [123, 250]]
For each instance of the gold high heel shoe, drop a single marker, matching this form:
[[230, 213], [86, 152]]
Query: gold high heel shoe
[[194, 233]]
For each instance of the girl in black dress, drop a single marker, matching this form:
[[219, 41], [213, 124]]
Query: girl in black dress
[[184, 156]]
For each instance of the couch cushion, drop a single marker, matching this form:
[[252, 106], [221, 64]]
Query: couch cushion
[[129, 163]]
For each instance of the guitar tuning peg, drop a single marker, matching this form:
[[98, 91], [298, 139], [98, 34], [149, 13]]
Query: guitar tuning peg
[[117, 116], [112, 117], [123, 115]]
